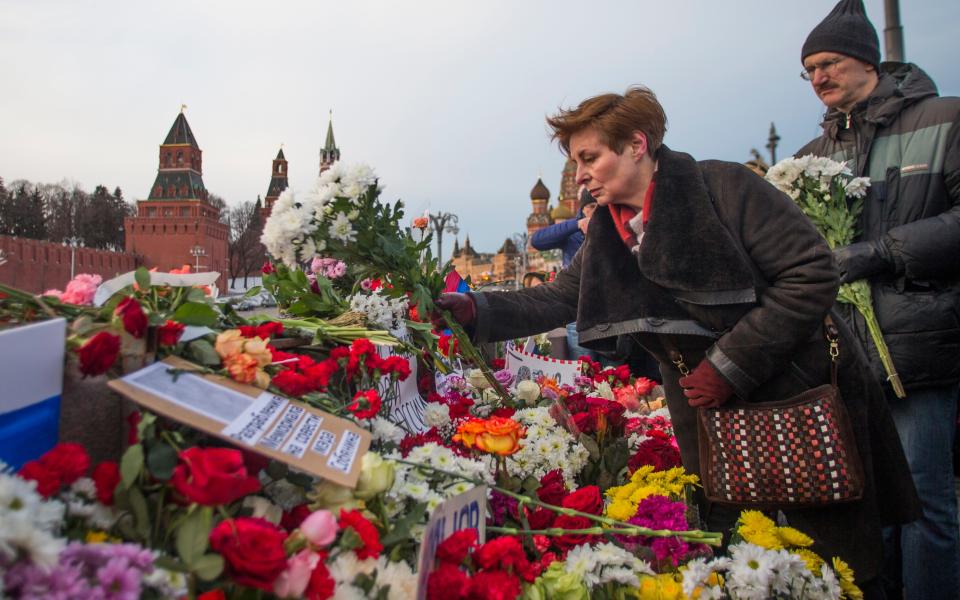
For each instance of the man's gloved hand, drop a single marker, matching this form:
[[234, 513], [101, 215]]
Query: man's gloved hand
[[462, 307], [704, 387], [863, 259]]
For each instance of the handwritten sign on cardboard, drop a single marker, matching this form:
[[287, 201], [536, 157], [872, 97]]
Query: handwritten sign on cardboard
[[464, 511], [525, 365], [289, 431]]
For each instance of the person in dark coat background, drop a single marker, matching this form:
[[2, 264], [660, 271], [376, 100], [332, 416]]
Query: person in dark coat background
[[709, 260], [888, 122]]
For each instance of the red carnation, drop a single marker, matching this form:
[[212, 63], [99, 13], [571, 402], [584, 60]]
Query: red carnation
[[320, 373], [169, 333], [292, 518], [494, 585], [252, 549], [292, 383], [106, 477], [644, 386], [504, 552], [542, 518], [48, 482], [212, 476], [99, 353], [69, 461], [552, 488], [322, 585], [267, 268], [447, 582], [133, 421], [369, 536], [132, 316], [455, 548], [365, 405], [217, 594], [396, 365], [586, 499], [498, 363], [504, 412]]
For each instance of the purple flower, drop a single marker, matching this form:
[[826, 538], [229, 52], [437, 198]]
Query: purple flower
[[119, 580], [659, 512], [582, 381], [505, 377], [502, 506]]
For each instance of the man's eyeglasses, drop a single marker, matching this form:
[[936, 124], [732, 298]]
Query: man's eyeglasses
[[828, 66]]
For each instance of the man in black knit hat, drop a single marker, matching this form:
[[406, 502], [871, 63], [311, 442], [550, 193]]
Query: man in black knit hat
[[888, 122]]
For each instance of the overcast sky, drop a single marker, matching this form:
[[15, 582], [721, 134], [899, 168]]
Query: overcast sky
[[445, 99]]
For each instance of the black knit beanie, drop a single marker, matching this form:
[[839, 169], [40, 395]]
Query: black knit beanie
[[586, 198], [846, 30]]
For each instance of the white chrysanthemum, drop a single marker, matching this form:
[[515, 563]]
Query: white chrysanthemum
[[857, 187], [436, 414], [548, 447], [751, 571], [386, 431], [28, 523], [399, 576], [86, 487], [342, 229], [379, 309], [606, 563], [347, 566]]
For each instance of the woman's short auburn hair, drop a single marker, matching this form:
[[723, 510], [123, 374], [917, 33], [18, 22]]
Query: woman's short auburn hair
[[615, 117]]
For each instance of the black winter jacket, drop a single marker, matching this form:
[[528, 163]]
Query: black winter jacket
[[731, 271], [907, 140]]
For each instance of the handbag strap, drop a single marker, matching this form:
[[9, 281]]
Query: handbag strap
[[832, 334]]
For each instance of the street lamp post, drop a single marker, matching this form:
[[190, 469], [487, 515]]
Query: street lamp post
[[443, 222], [197, 252], [73, 242]]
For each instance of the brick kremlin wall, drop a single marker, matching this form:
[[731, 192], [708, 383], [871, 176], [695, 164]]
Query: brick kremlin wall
[[37, 266]]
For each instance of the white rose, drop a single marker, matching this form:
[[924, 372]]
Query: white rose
[[477, 379], [528, 391]]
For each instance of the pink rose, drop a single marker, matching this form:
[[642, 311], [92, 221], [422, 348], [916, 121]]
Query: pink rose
[[627, 396], [81, 289], [293, 581], [320, 528]]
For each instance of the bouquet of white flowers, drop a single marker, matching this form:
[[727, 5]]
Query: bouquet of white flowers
[[826, 191]]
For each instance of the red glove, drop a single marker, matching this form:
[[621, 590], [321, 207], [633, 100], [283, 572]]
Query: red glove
[[705, 387], [462, 307]]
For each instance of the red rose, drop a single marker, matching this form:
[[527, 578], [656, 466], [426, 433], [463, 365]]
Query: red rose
[[456, 547], [644, 386], [292, 518], [552, 488], [252, 549], [655, 451], [68, 461], [570, 540], [586, 499], [106, 477], [503, 552], [447, 582], [498, 363], [542, 518], [131, 314], [99, 353], [494, 585], [212, 476], [504, 412], [585, 422], [365, 405], [369, 536], [48, 482], [169, 333], [267, 268], [133, 420], [213, 595], [321, 584]]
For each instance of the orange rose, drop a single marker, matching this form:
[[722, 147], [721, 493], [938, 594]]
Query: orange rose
[[496, 435], [257, 348], [229, 342], [245, 369]]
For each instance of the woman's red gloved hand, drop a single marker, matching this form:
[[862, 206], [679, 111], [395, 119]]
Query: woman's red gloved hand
[[704, 387]]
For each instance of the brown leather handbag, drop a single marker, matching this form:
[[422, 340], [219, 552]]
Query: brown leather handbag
[[793, 453]]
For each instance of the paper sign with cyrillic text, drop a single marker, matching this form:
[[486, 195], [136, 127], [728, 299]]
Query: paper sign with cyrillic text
[[464, 511], [289, 431]]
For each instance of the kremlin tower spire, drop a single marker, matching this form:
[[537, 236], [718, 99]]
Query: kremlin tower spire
[[278, 182], [330, 153]]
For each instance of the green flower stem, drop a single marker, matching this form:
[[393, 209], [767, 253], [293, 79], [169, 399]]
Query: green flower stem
[[473, 355], [858, 294], [693, 535], [634, 531], [340, 333]]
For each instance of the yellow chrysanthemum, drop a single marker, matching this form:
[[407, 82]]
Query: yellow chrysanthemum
[[621, 510], [844, 573], [765, 538], [793, 538], [755, 520], [665, 586], [96, 537], [812, 559]]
